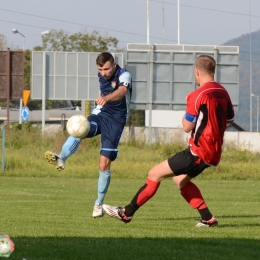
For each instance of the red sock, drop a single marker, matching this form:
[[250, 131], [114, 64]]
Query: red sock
[[192, 195], [145, 193]]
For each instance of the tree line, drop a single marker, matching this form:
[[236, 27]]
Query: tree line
[[61, 41]]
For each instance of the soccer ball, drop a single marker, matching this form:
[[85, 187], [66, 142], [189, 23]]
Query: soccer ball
[[78, 126], [6, 246]]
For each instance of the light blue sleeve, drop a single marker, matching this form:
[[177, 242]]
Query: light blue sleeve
[[125, 77]]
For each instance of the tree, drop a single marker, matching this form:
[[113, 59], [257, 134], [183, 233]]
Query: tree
[[136, 118], [3, 42], [27, 69], [78, 42], [61, 41]]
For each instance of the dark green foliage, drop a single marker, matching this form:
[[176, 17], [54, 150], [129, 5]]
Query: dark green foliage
[[27, 69], [23, 135], [168, 150], [25, 147], [78, 42], [136, 118], [241, 156]]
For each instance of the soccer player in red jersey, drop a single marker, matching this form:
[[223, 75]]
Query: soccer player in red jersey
[[209, 110]]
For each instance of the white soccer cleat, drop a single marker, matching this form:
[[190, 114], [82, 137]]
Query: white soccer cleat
[[54, 158], [117, 212], [98, 211], [213, 222]]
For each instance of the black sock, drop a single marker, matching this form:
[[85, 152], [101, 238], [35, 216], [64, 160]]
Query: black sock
[[130, 210], [205, 214]]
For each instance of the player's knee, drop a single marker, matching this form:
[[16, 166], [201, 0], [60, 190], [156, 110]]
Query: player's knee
[[104, 164], [154, 175], [151, 174], [93, 131]]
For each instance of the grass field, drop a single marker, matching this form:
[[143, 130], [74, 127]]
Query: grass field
[[48, 214], [50, 218]]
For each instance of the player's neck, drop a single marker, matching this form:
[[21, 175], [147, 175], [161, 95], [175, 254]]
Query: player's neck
[[206, 81]]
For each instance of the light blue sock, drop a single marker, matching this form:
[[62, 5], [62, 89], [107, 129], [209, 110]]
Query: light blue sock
[[103, 183], [70, 147]]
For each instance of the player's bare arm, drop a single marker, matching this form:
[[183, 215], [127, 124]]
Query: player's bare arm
[[188, 122], [187, 126], [115, 96]]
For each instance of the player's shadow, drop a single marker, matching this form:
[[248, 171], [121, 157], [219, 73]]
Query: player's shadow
[[106, 248], [253, 223]]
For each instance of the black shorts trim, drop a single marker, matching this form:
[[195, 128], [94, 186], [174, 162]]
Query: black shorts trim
[[187, 163]]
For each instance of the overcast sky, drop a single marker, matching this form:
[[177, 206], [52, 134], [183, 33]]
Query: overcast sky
[[202, 22]]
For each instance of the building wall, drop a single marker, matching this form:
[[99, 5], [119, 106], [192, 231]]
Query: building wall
[[165, 128], [242, 140], [164, 118]]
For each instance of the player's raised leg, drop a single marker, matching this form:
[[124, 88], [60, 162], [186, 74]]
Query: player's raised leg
[[56, 159], [69, 147]]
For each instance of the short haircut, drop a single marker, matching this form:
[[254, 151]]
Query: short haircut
[[206, 63], [104, 57]]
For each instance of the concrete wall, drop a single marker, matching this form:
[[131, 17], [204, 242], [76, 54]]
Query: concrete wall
[[243, 140], [164, 118], [170, 132]]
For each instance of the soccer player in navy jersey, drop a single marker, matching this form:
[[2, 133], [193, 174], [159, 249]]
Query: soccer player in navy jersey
[[209, 110], [107, 119]]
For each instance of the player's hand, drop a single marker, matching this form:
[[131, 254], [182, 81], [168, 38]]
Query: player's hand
[[101, 101]]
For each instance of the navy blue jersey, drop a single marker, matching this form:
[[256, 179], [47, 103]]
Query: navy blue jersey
[[118, 110]]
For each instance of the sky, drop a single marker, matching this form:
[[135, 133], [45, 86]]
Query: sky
[[201, 22]]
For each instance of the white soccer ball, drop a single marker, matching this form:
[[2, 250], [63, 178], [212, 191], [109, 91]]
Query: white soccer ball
[[78, 126], [6, 246]]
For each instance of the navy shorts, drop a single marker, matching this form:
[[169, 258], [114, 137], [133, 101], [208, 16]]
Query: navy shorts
[[187, 163], [110, 132]]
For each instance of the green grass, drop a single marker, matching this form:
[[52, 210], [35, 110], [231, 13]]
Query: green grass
[[25, 148], [47, 213], [50, 218]]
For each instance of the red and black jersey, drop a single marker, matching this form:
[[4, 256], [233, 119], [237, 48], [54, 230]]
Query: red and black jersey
[[212, 106]]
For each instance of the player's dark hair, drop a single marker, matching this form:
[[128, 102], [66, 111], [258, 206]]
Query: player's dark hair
[[104, 57], [206, 63]]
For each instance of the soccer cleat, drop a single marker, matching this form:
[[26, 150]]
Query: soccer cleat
[[117, 212], [54, 158], [98, 211], [208, 223]]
